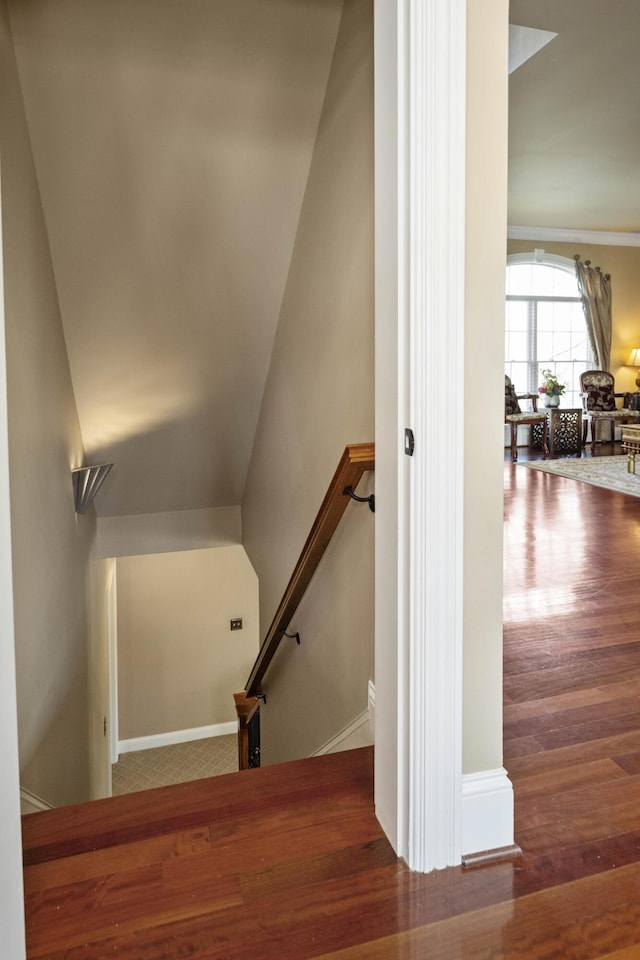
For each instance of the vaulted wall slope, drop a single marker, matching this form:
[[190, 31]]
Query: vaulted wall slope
[[172, 144], [318, 398], [51, 547]]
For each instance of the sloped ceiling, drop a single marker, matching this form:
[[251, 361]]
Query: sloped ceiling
[[172, 141], [574, 117]]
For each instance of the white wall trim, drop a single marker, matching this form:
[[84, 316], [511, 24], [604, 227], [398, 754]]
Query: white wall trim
[[392, 468], [420, 84], [177, 736], [340, 741], [353, 735], [487, 811], [112, 648], [29, 803], [11, 877], [371, 701], [607, 238]]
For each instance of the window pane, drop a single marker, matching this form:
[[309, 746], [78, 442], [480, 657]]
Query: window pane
[[517, 315], [567, 323], [561, 345], [541, 279], [518, 374], [545, 347], [565, 373], [581, 347], [576, 321], [516, 346], [563, 283], [519, 279]]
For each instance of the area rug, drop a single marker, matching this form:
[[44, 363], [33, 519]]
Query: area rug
[[609, 472]]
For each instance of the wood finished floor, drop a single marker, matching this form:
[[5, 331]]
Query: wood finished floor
[[290, 863]]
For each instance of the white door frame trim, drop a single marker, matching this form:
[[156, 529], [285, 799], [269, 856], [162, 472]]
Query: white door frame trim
[[420, 71], [11, 879], [112, 645]]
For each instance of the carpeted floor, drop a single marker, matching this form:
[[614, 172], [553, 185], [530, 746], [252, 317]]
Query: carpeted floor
[[609, 472], [177, 763]]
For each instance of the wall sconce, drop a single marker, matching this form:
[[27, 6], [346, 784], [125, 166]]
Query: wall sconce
[[86, 483], [634, 361]]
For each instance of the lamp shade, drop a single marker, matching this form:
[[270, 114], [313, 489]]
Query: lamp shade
[[634, 358]]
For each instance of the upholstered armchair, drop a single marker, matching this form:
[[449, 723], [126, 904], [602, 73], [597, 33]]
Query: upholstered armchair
[[599, 404], [515, 417]]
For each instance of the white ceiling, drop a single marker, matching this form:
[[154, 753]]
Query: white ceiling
[[574, 117], [172, 142]]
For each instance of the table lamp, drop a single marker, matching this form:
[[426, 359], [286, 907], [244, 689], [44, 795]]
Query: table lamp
[[634, 361]]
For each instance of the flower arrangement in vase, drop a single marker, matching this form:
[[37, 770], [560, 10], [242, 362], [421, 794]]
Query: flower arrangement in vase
[[551, 389]]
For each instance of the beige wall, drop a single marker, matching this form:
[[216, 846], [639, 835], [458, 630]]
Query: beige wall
[[318, 398], [178, 662], [50, 544], [484, 350], [623, 263]]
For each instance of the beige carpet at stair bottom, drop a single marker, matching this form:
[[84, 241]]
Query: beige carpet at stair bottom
[[609, 472], [177, 763]]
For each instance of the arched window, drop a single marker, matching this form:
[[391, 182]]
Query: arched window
[[545, 325]]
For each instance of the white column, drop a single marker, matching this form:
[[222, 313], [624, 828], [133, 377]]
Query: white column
[[436, 214], [420, 210]]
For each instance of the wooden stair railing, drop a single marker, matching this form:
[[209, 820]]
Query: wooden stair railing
[[248, 731], [356, 460]]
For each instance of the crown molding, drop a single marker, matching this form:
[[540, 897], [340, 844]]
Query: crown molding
[[608, 238]]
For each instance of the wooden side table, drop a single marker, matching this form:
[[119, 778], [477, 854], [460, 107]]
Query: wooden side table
[[565, 430]]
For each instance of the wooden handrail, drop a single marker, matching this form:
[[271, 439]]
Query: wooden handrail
[[356, 460]]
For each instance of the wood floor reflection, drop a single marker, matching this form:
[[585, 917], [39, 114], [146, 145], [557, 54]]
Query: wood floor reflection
[[572, 674], [290, 863]]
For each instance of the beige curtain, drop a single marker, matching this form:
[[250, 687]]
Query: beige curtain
[[595, 290]]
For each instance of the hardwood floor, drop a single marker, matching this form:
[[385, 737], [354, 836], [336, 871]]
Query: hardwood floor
[[572, 673], [289, 862]]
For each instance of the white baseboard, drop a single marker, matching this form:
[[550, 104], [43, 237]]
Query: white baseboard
[[358, 733], [29, 803], [487, 811], [177, 736]]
